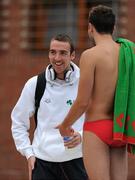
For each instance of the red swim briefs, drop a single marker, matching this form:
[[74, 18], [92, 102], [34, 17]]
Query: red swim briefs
[[104, 130]]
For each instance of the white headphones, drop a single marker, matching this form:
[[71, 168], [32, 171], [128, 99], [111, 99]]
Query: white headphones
[[67, 74]]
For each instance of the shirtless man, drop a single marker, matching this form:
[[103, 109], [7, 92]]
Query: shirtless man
[[104, 158]]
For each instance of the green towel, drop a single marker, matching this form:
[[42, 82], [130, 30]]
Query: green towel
[[124, 103]]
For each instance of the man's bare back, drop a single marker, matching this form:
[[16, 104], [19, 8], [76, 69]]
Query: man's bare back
[[105, 78]]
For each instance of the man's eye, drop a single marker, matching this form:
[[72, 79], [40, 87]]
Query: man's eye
[[52, 52], [64, 53]]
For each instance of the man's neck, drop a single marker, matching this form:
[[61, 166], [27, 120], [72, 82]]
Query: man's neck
[[102, 38]]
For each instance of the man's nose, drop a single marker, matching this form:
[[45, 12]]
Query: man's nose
[[57, 56]]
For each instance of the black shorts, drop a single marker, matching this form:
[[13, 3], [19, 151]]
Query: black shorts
[[69, 170]]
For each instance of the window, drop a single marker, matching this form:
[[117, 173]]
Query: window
[[43, 19]]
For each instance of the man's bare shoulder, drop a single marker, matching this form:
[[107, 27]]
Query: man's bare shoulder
[[91, 55]]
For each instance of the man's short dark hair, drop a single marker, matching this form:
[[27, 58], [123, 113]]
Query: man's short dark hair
[[64, 38], [102, 18]]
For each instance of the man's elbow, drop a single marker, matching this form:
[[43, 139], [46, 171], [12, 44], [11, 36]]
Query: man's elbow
[[82, 104]]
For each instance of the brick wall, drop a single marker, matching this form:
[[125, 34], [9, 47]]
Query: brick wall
[[16, 66]]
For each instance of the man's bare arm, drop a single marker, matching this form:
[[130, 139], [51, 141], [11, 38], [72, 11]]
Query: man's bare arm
[[87, 69]]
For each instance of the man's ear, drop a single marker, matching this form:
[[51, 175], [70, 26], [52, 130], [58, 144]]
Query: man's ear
[[73, 55], [90, 28]]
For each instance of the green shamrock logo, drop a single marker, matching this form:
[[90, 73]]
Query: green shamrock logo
[[69, 102]]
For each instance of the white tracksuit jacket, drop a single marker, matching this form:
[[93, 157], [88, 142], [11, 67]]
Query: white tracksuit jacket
[[47, 143]]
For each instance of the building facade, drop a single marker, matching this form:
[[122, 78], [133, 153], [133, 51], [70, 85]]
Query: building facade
[[26, 27]]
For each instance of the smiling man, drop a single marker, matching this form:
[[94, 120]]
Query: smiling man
[[48, 157]]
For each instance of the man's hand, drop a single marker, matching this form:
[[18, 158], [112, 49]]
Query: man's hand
[[31, 164], [65, 131], [75, 140]]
